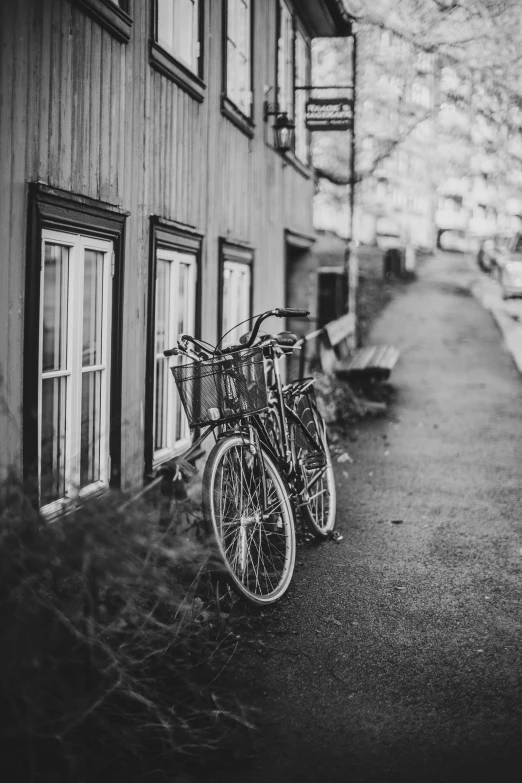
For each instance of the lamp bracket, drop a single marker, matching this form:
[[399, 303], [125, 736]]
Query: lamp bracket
[[324, 87], [271, 109]]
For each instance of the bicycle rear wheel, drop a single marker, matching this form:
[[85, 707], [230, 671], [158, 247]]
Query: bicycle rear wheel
[[247, 508], [319, 504]]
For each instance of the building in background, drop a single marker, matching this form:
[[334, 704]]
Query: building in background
[[480, 185], [142, 197], [395, 136]]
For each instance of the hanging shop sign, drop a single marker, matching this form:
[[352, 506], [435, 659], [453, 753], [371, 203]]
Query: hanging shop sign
[[326, 114]]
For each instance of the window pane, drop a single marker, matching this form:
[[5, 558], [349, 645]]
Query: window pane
[[285, 61], [90, 447], [184, 43], [162, 341], [178, 29], [181, 429], [166, 23], [92, 308], [55, 310], [175, 292], [302, 54], [232, 14], [236, 300], [160, 404], [238, 54], [182, 299], [52, 461], [162, 293]]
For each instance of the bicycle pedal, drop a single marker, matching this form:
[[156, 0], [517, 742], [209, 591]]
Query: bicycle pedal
[[314, 461]]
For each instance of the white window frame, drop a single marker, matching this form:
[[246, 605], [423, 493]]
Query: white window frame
[[238, 87], [172, 401], [285, 60], [77, 244], [179, 21], [238, 307], [303, 56]]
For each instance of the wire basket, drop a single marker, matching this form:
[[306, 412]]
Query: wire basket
[[223, 388]]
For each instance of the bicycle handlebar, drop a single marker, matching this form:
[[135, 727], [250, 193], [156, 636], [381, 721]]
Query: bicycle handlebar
[[291, 312], [279, 312]]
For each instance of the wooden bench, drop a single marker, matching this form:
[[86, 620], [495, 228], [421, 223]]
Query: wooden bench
[[338, 354]]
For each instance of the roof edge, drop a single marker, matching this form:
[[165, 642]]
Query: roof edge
[[326, 18]]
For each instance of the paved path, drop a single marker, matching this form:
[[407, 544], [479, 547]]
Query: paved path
[[398, 654]]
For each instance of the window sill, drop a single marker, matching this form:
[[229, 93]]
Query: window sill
[[165, 63], [291, 159], [60, 508], [165, 455], [298, 165], [110, 16], [236, 116]]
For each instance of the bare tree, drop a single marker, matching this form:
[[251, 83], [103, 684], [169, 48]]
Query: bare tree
[[475, 47]]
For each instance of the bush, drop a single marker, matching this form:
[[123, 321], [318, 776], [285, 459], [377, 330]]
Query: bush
[[336, 400], [109, 655]]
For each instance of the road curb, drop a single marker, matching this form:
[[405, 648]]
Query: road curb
[[510, 328]]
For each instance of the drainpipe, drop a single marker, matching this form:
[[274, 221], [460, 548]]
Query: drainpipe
[[351, 258]]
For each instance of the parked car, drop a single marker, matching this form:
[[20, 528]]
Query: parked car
[[511, 279], [453, 239], [509, 267], [499, 254]]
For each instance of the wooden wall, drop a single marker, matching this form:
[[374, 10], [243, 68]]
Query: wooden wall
[[87, 114]]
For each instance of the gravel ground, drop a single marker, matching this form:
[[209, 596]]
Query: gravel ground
[[397, 654]]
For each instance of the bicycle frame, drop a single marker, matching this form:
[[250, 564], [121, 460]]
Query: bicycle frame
[[288, 464]]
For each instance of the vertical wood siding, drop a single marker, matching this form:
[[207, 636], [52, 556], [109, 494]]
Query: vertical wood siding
[[87, 114]]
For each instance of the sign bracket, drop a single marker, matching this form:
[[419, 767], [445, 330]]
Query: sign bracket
[[324, 87]]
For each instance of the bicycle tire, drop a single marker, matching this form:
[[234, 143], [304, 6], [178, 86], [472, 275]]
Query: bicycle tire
[[320, 506], [257, 545]]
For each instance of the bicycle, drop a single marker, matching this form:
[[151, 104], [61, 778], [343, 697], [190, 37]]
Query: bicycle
[[270, 457]]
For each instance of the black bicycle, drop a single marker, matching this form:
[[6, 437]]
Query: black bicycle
[[270, 460]]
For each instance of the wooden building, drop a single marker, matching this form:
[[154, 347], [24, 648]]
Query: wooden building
[[141, 196]]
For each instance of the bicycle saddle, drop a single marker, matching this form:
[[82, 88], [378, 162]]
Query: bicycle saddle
[[283, 338]]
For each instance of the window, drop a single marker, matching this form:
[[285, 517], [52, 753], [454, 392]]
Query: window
[[236, 292], [175, 314], [293, 68], [177, 30], [302, 76], [238, 79], [386, 39], [175, 46], [72, 348], [420, 94], [74, 366], [285, 61], [424, 62], [172, 307]]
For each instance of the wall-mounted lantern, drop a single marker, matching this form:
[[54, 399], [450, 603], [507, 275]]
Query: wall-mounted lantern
[[284, 130], [283, 127]]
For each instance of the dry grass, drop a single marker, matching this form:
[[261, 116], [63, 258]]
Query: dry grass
[[111, 654]]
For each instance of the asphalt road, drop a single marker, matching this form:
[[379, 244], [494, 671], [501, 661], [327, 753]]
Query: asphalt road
[[397, 654]]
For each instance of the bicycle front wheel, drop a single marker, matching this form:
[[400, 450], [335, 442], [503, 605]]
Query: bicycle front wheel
[[247, 508]]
